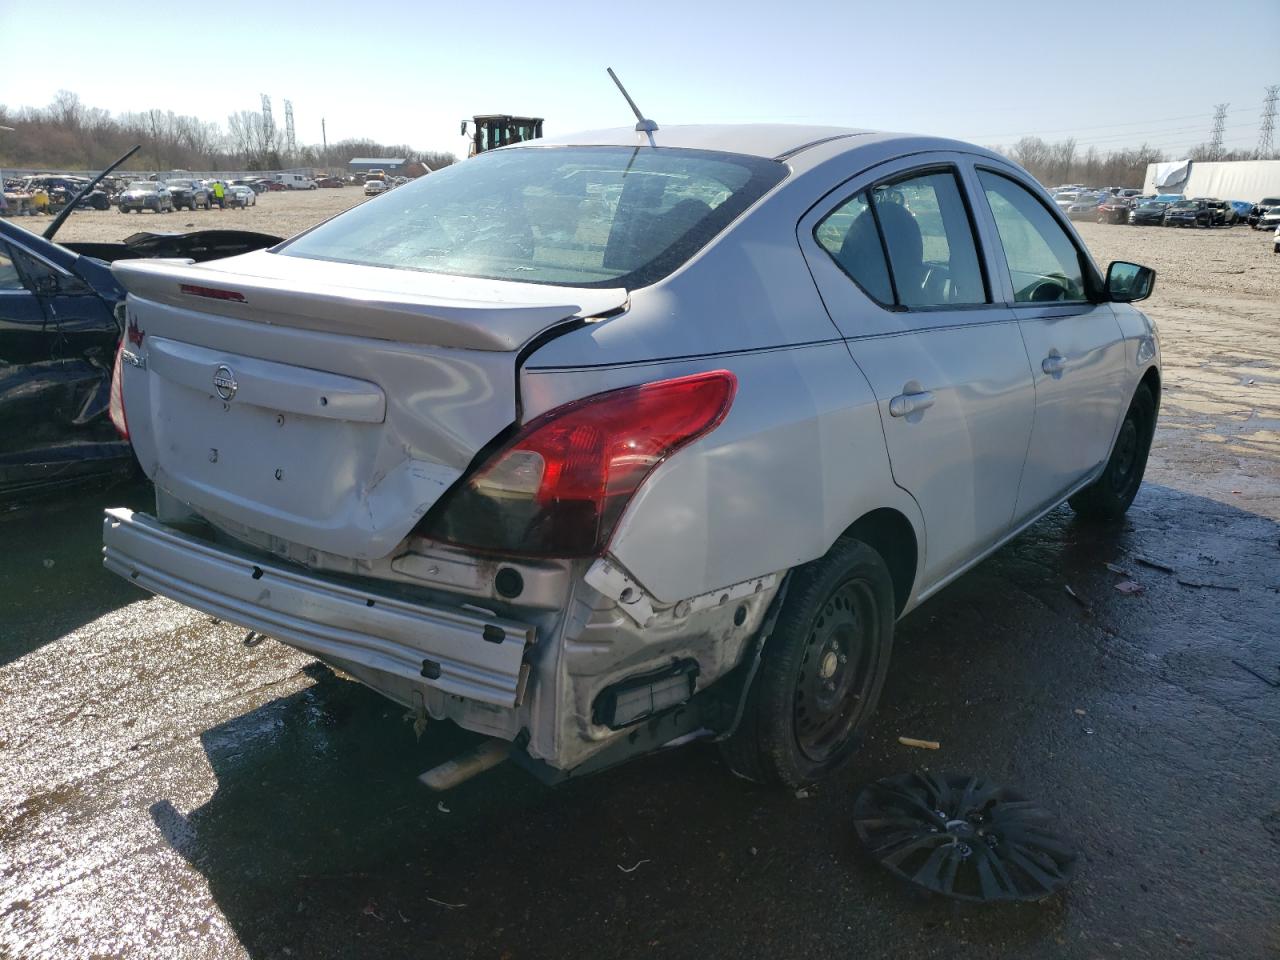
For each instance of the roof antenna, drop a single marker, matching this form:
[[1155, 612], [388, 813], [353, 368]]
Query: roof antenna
[[643, 125]]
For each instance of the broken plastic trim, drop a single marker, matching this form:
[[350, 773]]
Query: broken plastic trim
[[646, 695], [963, 837]]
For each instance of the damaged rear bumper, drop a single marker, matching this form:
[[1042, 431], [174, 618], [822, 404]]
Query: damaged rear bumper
[[460, 652]]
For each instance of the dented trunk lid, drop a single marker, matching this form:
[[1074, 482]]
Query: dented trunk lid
[[328, 405]]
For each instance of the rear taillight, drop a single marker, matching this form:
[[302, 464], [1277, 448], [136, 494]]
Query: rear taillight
[[559, 487], [115, 409]]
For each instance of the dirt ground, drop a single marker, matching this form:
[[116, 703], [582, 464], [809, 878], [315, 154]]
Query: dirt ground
[[167, 791]]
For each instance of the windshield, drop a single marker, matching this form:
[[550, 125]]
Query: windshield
[[1185, 205], [1270, 201], [1154, 205], [180, 185], [143, 186], [574, 216]]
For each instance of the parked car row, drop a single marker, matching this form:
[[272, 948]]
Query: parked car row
[[1115, 205]]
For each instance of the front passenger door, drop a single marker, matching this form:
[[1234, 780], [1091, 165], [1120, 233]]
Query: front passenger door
[[1075, 346]]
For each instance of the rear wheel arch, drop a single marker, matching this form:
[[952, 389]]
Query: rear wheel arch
[[890, 534]]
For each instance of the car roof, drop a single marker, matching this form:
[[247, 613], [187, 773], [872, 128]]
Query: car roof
[[769, 140]]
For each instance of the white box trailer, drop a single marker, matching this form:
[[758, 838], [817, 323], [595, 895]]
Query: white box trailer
[[1249, 180]]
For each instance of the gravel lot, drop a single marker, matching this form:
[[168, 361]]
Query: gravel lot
[[169, 792], [284, 214]]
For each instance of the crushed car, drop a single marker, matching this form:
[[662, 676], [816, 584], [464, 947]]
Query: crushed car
[[594, 445], [59, 334]]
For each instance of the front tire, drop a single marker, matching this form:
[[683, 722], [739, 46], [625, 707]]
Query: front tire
[[821, 672], [1108, 497]]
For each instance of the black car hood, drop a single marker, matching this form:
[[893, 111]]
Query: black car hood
[[199, 245]]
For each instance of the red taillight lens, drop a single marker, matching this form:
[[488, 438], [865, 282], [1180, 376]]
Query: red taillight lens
[[115, 409], [559, 487]]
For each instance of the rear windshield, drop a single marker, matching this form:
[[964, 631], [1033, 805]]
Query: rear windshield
[[573, 216]]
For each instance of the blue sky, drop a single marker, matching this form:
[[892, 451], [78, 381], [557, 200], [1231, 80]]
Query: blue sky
[[1110, 72]]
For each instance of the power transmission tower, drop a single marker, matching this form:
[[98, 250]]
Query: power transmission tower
[[1268, 125], [1219, 125], [268, 124], [290, 140]]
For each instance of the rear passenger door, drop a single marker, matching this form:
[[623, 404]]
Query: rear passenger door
[[1075, 345], [897, 262]]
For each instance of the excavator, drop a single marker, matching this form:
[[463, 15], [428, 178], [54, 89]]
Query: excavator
[[500, 129]]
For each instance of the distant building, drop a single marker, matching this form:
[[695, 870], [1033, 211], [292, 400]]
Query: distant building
[[389, 165]]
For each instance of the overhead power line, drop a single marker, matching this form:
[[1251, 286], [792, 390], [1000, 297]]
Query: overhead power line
[[1143, 123]]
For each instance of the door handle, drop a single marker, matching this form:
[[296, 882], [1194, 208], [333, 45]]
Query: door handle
[[1054, 364], [908, 403]]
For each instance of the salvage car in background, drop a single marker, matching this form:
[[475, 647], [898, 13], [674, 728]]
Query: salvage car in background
[[1085, 207], [190, 194], [146, 195], [1224, 215], [590, 477], [239, 195], [58, 340], [1114, 210], [1148, 213], [1188, 213], [1260, 209]]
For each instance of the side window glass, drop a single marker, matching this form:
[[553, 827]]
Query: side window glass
[[1043, 262], [44, 279], [850, 235], [9, 278], [927, 232]]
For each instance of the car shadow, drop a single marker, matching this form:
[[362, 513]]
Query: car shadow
[[319, 841], [51, 575]]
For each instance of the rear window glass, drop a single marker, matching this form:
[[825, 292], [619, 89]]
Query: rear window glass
[[574, 216]]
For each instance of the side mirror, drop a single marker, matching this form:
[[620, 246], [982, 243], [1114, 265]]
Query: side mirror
[[464, 128], [1129, 282]]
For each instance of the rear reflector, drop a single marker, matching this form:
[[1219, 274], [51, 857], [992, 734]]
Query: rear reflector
[[212, 293], [560, 486]]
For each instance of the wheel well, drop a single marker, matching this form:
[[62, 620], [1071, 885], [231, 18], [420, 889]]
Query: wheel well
[[1152, 379], [890, 534]]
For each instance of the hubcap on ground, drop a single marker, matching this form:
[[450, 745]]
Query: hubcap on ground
[[836, 672], [963, 837]]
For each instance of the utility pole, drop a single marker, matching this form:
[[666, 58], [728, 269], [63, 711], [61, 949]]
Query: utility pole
[[1219, 125], [1267, 128], [324, 138]]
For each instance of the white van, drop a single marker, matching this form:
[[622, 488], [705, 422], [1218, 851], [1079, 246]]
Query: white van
[[295, 181]]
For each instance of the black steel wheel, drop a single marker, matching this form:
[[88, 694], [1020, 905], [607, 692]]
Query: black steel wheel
[[963, 837], [821, 671], [836, 674], [1108, 497]]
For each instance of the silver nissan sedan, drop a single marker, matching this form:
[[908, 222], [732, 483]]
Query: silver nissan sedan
[[599, 444]]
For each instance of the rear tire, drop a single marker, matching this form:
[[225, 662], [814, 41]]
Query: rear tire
[[1108, 497], [821, 672]]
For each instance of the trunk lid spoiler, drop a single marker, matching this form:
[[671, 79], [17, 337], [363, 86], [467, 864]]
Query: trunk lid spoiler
[[401, 305]]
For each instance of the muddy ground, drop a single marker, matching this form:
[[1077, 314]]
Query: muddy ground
[[167, 791]]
